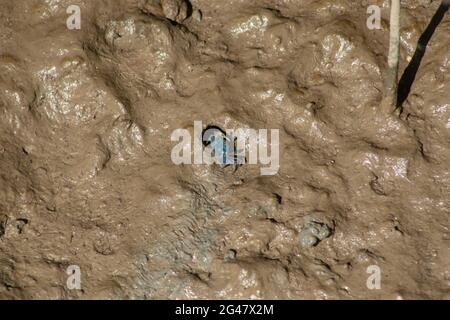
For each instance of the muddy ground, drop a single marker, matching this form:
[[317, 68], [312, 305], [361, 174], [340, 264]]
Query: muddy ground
[[86, 176]]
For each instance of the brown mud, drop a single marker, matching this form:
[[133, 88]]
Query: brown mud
[[86, 176]]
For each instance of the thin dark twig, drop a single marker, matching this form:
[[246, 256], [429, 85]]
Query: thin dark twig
[[409, 75]]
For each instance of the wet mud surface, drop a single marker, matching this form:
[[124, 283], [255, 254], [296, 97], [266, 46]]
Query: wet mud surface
[[86, 176]]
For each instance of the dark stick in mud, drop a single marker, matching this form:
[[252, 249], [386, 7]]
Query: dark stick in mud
[[409, 75]]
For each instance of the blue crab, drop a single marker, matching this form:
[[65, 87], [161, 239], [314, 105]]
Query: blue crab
[[224, 147]]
